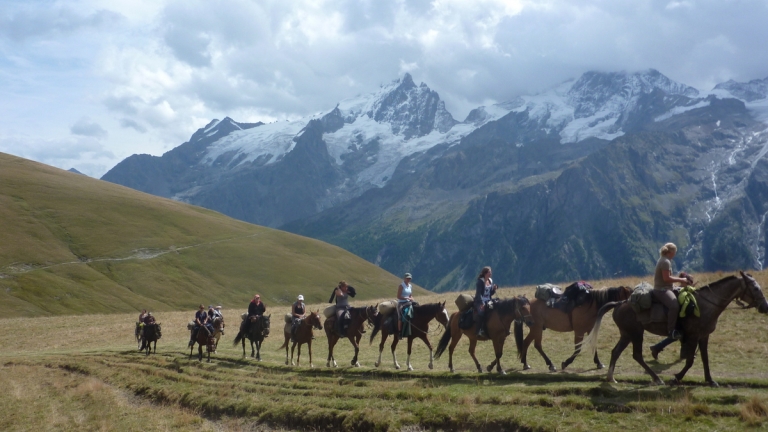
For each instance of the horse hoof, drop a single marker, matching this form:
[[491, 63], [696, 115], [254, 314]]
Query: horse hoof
[[714, 384], [502, 372], [489, 368], [673, 382], [410, 368], [600, 366], [452, 371], [328, 364], [397, 366], [334, 363], [526, 367], [611, 380], [430, 366], [357, 364], [286, 362], [293, 364], [376, 364], [552, 368], [311, 366], [563, 365]]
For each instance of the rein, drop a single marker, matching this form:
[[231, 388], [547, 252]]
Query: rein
[[709, 287]]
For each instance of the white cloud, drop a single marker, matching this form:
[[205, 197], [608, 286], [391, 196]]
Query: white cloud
[[151, 72], [86, 127]]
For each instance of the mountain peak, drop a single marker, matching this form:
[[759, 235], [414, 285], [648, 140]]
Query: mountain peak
[[749, 91]]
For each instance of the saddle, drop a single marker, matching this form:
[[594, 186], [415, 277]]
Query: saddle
[[574, 295], [467, 318], [657, 313]]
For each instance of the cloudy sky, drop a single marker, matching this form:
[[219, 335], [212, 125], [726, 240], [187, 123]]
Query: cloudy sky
[[86, 83]]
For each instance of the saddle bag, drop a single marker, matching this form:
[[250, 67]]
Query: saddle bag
[[387, 307], [547, 291], [191, 325], [243, 316], [288, 318], [464, 302], [641, 297], [329, 312], [466, 319]]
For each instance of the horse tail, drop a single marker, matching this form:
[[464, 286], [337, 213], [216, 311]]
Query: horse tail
[[376, 327], [285, 344], [445, 339], [519, 338], [589, 344], [238, 338]]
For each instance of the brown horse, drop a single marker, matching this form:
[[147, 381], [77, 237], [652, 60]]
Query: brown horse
[[422, 315], [498, 322], [303, 336], [579, 321], [360, 316], [712, 299], [218, 330], [203, 337]]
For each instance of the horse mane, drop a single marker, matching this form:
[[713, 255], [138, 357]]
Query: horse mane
[[508, 305], [606, 295], [429, 308]]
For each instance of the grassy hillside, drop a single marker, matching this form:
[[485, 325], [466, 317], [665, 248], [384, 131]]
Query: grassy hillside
[[70, 244]]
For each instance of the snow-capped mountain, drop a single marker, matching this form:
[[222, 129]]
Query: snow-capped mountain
[[393, 177]]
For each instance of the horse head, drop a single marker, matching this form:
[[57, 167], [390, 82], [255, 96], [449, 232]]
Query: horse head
[[752, 295], [314, 320], [442, 316], [523, 310], [371, 312], [265, 325]]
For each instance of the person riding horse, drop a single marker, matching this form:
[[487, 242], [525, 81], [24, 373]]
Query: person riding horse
[[662, 288], [256, 310], [342, 293], [201, 319], [216, 314], [484, 291], [298, 311], [404, 298]]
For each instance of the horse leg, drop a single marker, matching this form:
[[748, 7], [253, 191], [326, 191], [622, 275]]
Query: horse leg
[[408, 360], [431, 353], [637, 354], [688, 361], [704, 348], [298, 356], [293, 346], [309, 348], [498, 348], [331, 342], [258, 349], [472, 346], [154, 349], [577, 338], [526, 343], [452, 346], [286, 350], [381, 347], [621, 345], [394, 354], [354, 361], [537, 345], [199, 352], [243, 342]]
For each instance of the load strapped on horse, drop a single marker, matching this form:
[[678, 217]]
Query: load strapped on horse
[[388, 318]]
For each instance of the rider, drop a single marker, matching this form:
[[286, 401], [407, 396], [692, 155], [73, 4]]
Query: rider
[[255, 309], [342, 304], [298, 310], [201, 319], [404, 298], [484, 290], [662, 287]]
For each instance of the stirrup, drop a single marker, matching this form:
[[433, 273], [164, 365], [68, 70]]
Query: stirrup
[[676, 335]]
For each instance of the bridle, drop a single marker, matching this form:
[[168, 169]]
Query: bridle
[[519, 312], [744, 290]]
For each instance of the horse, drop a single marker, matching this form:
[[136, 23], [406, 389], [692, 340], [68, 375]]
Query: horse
[[203, 337], [499, 320], [303, 336], [255, 331], [360, 316], [151, 333], [139, 333], [712, 299], [579, 321], [422, 315], [218, 328]]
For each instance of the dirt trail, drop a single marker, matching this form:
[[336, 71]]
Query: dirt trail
[[136, 254]]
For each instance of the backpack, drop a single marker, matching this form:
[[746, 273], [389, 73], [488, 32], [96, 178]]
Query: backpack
[[546, 291], [641, 297]]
